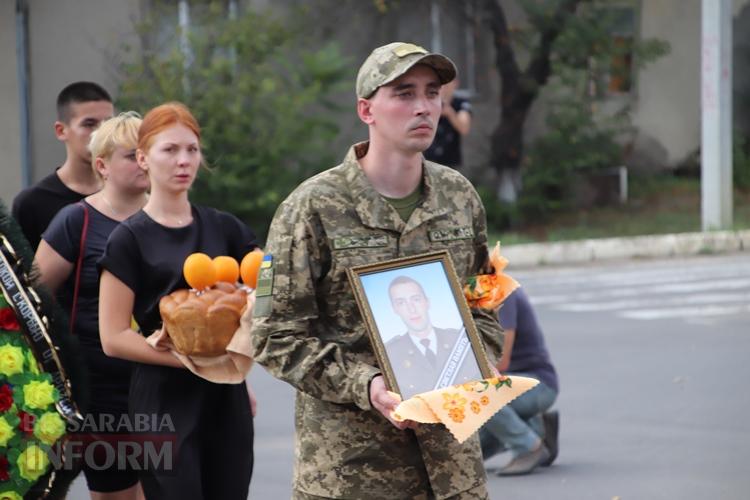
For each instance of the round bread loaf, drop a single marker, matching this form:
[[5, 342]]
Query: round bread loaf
[[203, 325]]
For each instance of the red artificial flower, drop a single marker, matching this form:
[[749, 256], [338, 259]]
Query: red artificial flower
[[6, 397], [27, 423], [8, 319], [4, 476]]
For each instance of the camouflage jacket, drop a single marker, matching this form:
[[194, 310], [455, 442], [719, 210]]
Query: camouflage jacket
[[308, 331]]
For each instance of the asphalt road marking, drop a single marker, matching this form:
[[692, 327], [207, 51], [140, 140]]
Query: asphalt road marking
[[699, 291]]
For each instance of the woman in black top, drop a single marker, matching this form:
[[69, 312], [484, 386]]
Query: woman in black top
[[208, 427], [67, 256]]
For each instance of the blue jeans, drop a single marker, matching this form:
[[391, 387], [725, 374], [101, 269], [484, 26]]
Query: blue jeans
[[518, 426]]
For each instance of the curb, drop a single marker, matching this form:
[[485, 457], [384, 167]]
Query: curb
[[637, 247]]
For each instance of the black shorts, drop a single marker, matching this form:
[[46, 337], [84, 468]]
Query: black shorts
[[112, 402], [109, 480]]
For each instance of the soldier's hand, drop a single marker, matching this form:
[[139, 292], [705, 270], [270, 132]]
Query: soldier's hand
[[385, 403]]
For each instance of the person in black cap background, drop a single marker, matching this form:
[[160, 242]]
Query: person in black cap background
[[455, 122]]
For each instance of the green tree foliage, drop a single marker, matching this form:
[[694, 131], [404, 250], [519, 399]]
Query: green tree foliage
[[263, 99], [587, 122]]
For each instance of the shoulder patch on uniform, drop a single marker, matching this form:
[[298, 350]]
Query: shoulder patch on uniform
[[267, 261], [360, 241], [265, 281], [454, 233]]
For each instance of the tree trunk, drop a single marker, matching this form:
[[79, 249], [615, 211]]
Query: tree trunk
[[519, 89]]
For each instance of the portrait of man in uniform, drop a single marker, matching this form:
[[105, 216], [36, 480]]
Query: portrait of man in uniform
[[426, 357]]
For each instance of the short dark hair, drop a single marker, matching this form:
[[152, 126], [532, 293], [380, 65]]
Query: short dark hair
[[79, 92], [403, 280]]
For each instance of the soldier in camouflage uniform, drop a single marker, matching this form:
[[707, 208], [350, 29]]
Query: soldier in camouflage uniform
[[384, 201]]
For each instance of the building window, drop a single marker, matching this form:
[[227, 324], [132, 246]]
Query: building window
[[615, 75], [620, 74], [453, 33]]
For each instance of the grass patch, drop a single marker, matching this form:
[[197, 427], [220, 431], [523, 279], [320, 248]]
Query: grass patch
[[657, 205]]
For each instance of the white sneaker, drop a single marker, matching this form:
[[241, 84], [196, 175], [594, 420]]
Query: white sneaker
[[497, 461]]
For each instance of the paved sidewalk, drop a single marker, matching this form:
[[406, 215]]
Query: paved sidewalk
[[654, 246]]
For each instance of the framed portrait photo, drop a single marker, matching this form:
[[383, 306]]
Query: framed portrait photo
[[419, 324]]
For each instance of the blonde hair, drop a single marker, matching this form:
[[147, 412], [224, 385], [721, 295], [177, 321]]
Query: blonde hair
[[118, 131]]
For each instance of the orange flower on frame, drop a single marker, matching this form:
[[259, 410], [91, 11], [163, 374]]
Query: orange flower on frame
[[488, 291]]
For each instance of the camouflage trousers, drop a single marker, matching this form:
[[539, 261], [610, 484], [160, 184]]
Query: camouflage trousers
[[476, 493]]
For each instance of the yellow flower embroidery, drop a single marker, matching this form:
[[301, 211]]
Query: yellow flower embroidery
[[453, 401], [484, 400], [498, 382], [475, 407], [468, 387], [457, 414]]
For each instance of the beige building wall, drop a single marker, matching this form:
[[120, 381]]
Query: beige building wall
[[668, 98], [70, 40], [668, 93], [10, 127]]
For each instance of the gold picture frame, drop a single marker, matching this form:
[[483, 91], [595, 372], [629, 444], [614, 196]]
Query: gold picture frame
[[409, 300]]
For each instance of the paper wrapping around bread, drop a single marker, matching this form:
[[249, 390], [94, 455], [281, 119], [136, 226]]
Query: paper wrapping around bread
[[203, 325]]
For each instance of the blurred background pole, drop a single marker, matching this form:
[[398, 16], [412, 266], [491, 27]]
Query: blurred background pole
[[716, 114], [183, 16], [22, 72], [436, 41]]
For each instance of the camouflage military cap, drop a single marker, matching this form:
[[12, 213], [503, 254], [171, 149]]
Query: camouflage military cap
[[388, 62]]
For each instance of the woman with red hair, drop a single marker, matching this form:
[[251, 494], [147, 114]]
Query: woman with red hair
[[141, 264]]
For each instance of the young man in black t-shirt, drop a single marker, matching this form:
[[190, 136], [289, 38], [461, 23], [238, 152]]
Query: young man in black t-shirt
[[81, 106]]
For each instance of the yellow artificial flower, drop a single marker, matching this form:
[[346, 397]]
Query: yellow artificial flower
[[49, 428], [10, 495], [11, 360], [38, 394], [33, 367], [6, 432], [32, 463]]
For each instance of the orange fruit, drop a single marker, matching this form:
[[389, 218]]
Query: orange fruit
[[250, 266], [199, 271], [227, 269]]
